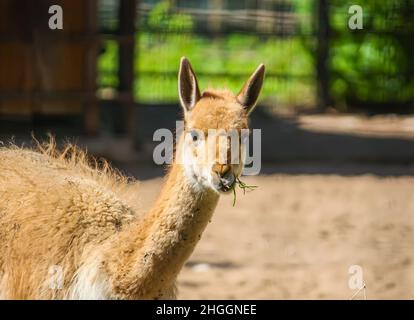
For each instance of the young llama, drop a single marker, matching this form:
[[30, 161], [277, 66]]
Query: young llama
[[61, 216]]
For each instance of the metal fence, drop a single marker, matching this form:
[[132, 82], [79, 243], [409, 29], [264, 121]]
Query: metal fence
[[312, 57], [225, 40]]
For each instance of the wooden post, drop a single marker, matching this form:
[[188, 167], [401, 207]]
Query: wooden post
[[127, 20], [215, 21], [322, 55], [91, 109]]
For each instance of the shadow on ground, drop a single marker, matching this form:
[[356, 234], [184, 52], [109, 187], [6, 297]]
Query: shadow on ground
[[286, 146]]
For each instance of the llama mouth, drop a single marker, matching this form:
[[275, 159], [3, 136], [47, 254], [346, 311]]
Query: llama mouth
[[226, 189]]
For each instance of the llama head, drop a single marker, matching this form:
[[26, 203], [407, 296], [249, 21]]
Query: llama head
[[216, 128]]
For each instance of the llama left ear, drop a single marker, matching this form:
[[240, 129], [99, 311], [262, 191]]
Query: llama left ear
[[187, 85], [249, 94]]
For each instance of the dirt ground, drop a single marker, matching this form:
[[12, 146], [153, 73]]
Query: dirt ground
[[296, 237]]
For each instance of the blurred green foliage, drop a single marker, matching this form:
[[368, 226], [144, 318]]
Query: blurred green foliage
[[161, 18], [374, 64], [370, 65]]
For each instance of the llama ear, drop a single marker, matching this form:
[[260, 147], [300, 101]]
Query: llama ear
[[249, 94], [188, 90]]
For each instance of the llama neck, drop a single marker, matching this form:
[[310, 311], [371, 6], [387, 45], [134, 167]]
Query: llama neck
[[146, 258]]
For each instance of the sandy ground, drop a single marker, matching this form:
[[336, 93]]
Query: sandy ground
[[296, 236]]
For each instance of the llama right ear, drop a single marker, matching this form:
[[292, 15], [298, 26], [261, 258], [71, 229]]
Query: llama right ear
[[249, 94], [188, 90]]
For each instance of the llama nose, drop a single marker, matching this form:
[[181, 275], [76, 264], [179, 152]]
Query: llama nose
[[221, 169], [225, 175]]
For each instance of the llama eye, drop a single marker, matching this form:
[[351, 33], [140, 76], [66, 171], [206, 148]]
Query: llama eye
[[194, 135]]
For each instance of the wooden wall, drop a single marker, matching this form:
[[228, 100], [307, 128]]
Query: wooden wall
[[44, 71]]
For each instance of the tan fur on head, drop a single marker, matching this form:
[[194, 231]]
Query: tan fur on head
[[217, 109], [209, 111]]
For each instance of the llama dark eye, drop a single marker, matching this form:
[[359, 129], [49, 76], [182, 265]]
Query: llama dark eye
[[194, 135]]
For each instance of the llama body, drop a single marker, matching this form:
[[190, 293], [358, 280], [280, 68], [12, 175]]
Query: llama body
[[50, 214], [80, 223], [57, 214]]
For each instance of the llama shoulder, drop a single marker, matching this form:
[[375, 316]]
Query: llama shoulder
[[46, 198]]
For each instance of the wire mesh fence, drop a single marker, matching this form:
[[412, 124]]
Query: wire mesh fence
[[226, 39]]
